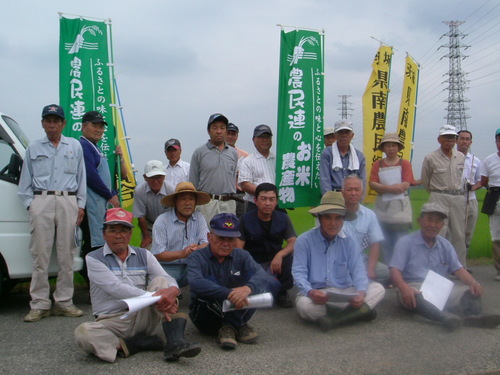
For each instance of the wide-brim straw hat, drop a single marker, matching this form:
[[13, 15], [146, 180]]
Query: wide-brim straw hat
[[185, 187], [332, 202], [391, 137]]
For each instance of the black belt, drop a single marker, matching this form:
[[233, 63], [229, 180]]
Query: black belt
[[449, 192], [55, 192], [226, 197]]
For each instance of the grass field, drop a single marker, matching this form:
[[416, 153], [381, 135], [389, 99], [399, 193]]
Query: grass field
[[481, 242], [480, 246]]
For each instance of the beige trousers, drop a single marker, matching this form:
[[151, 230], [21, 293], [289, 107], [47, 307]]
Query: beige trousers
[[52, 217], [101, 337]]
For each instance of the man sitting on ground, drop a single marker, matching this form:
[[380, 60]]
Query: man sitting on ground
[[263, 232], [219, 272], [180, 230], [326, 261], [117, 271], [424, 250]]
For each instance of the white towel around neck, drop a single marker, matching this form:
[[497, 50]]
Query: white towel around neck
[[337, 162]]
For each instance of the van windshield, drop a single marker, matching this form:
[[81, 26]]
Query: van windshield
[[16, 129]]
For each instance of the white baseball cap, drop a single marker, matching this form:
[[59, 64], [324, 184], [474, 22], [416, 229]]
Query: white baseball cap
[[343, 124], [154, 168], [448, 130]]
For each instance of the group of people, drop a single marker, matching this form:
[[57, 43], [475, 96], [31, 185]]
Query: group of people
[[214, 224]]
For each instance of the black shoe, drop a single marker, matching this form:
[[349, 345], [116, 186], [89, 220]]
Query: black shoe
[[284, 300]]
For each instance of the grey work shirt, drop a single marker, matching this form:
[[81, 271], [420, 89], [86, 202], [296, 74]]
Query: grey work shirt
[[214, 171], [112, 280], [147, 203]]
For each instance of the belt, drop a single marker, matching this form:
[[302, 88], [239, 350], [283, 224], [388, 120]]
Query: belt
[[226, 197], [55, 192], [449, 192]]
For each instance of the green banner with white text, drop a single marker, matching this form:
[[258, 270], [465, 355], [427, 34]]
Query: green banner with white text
[[300, 118], [85, 78]]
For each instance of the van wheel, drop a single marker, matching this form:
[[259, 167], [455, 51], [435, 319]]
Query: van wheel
[[6, 284]]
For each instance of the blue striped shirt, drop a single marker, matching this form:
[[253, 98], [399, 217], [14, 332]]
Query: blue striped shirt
[[172, 234]]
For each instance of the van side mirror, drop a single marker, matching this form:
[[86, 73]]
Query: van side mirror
[[12, 171]]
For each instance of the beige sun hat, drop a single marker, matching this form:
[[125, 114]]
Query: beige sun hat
[[391, 137], [185, 187], [332, 202]]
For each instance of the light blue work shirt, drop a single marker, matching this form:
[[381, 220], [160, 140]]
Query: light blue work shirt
[[46, 167], [414, 258], [319, 263]]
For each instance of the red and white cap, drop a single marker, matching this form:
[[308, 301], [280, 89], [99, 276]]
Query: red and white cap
[[115, 216]]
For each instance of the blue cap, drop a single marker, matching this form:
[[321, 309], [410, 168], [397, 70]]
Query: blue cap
[[53, 109], [219, 117], [225, 225], [262, 129], [233, 127]]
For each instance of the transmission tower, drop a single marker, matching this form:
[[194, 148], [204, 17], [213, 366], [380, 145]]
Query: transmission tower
[[345, 106], [457, 82]]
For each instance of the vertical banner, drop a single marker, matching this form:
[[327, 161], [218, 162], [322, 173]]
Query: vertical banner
[[408, 108], [374, 111], [300, 118], [86, 83]]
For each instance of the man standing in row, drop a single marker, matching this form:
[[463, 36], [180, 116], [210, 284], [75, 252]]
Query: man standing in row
[[147, 199], [258, 167], [441, 176], [213, 169], [232, 136], [471, 181], [263, 232], [341, 159], [52, 187], [177, 170], [99, 183]]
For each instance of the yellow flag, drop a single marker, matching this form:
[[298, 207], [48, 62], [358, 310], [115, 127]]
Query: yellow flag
[[406, 119], [374, 111]]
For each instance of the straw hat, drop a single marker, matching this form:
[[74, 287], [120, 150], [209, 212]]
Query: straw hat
[[185, 187], [391, 137], [332, 202]]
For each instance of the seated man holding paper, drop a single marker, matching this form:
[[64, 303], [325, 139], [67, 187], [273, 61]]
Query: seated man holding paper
[[329, 271], [118, 271], [424, 250], [222, 272]]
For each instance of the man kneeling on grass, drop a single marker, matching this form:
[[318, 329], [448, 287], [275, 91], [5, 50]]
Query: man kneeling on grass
[[424, 250], [219, 272], [328, 270], [117, 271]]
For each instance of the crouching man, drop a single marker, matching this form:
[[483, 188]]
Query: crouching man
[[424, 250], [327, 261], [220, 271], [117, 271]]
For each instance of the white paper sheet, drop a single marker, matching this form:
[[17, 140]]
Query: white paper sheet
[[340, 297], [256, 301], [138, 303], [436, 289], [390, 176]]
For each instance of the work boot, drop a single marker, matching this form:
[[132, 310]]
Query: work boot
[[177, 346], [483, 321], [246, 334], [139, 343], [283, 300], [471, 305], [428, 310], [227, 337], [334, 318]]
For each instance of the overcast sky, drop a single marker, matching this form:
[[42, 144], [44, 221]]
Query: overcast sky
[[177, 62]]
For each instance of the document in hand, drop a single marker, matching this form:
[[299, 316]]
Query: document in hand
[[138, 303], [340, 297], [256, 301], [436, 289]]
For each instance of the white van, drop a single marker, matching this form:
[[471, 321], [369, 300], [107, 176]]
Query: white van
[[15, 259]]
